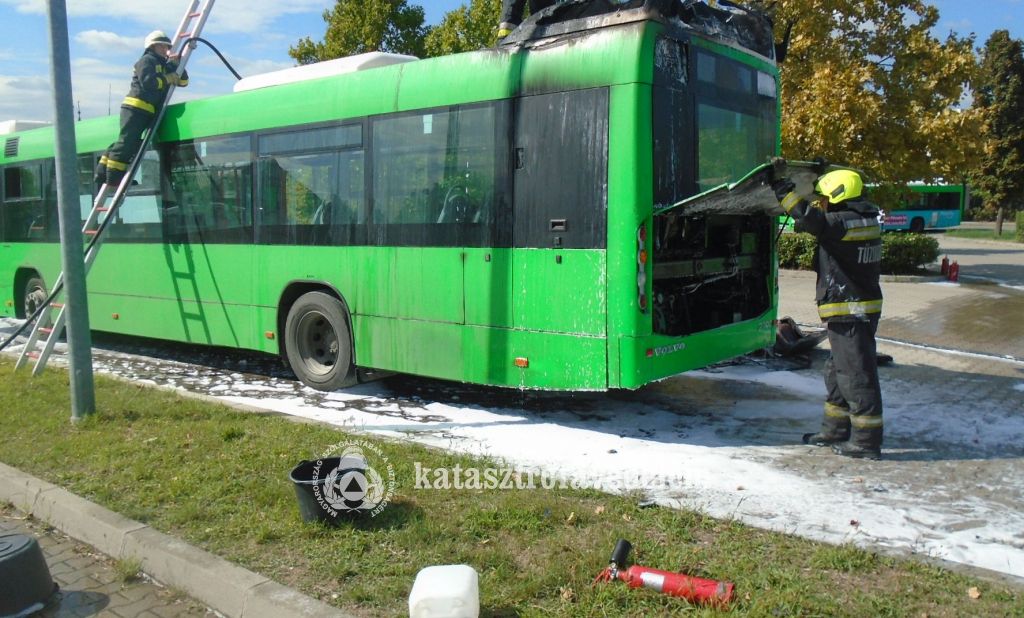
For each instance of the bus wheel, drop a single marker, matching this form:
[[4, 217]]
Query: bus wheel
[[35, 295], [917, 225], [318, 342]]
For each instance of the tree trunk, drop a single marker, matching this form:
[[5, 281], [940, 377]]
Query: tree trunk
[[999, 220]]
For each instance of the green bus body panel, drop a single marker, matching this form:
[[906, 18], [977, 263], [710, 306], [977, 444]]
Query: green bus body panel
[[489, 291], [482, 355], [674, 355], [615, 56], [195, 287], [630, 184], [561, 297], [418, 283]]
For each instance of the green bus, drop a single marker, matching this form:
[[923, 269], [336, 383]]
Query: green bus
[[486, 217], [931, 207]]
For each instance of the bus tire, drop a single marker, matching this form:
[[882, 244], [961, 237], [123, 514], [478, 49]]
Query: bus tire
[[35, 294], [318, 342], [917, 225]]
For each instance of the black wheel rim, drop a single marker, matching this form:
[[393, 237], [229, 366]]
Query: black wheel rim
[[33, 300], [317, 341]]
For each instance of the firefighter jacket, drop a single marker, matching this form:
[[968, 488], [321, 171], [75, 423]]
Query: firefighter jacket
[[847, 259], [149, 83]]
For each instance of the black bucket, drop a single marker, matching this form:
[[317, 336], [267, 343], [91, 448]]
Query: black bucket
[[25, 583], [319, 503]]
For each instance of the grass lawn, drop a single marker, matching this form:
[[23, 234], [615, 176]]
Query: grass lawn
[[218, 479], [982, 234]]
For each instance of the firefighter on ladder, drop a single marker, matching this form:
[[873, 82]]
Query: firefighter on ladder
[[154, 73], [847, 260]]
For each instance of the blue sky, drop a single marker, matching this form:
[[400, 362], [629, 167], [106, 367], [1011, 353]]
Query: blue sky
[[106, 40]]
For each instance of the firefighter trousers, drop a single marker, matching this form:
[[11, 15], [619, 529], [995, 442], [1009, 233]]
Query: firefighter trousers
[[853, 406], [115, 162]]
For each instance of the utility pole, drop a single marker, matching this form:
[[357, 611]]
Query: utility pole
[[83, 398]]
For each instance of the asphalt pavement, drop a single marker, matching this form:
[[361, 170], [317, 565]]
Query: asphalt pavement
[[981, 314]]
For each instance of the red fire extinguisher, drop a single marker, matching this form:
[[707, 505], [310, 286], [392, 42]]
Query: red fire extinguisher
[[693, 589], [945, 266], [954, 272]]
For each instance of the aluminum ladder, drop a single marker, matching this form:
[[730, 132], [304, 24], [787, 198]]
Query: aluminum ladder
[[96, 223]]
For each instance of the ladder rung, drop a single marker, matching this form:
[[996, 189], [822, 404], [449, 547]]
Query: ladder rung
[[103, 209], [32, 355], [46, 330], [195, 14], [92, 232], [184, 35], [57, 305]]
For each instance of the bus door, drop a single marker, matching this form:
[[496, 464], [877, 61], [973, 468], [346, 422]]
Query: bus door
[[561, 212]]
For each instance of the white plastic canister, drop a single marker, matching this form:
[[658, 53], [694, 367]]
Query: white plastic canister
[[449, 591]]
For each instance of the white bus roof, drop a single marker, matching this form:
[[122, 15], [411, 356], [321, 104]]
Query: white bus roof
[[15, 126], [327, 68]]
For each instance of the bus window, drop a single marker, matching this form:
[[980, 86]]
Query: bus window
[[561, 178], [210, 191], [86, 185], [731, 144], [24, 213], [946, 201], [312, 198], [436, 175], [139, 217]]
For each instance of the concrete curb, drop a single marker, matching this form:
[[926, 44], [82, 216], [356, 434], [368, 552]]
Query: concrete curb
[[225, 587]]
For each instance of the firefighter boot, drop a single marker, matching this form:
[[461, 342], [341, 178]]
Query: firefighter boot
[[835, 427], [849, 449]]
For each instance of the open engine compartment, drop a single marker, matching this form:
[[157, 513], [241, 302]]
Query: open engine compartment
[[710, 270]]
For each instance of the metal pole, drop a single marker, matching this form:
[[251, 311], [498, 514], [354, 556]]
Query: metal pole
[[83, 399]]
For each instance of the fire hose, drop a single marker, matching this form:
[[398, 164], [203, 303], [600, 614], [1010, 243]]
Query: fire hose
[[693, 589]]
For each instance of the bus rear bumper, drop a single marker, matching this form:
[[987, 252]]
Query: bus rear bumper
[[647, 359]]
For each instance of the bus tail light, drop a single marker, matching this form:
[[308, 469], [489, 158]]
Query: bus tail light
[[641, 263]]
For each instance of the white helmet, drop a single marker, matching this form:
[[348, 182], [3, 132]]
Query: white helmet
[[156, 36]]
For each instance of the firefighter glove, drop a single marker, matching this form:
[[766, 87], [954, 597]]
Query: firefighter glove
[[173, 79], [783, 188]]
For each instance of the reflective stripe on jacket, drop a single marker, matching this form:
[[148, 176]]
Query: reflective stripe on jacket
[[149, 82], [847, 259]]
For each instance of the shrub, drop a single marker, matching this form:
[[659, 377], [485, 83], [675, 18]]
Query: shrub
[[904, 254], [901, 253], [796, 251], [1020, 226]]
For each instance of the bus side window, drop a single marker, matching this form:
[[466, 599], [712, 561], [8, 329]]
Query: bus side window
[[312, 186], [86, 186], [210, 190], [440, 175], [24, 211]]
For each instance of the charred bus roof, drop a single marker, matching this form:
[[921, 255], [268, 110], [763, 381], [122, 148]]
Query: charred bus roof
[[730, 23]]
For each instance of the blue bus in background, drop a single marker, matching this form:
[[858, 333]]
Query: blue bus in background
[[933, 207]]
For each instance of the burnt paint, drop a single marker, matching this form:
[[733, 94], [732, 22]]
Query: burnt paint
[[561, 191]]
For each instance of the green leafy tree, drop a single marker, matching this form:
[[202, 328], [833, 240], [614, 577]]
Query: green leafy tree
[[865, 84], [1000, 176], [467, 28], [360, 26]]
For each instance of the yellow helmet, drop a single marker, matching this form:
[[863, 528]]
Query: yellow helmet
[[840, 185]]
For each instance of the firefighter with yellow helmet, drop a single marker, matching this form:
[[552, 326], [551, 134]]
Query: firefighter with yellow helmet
[[154, 74], [847, 260]]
